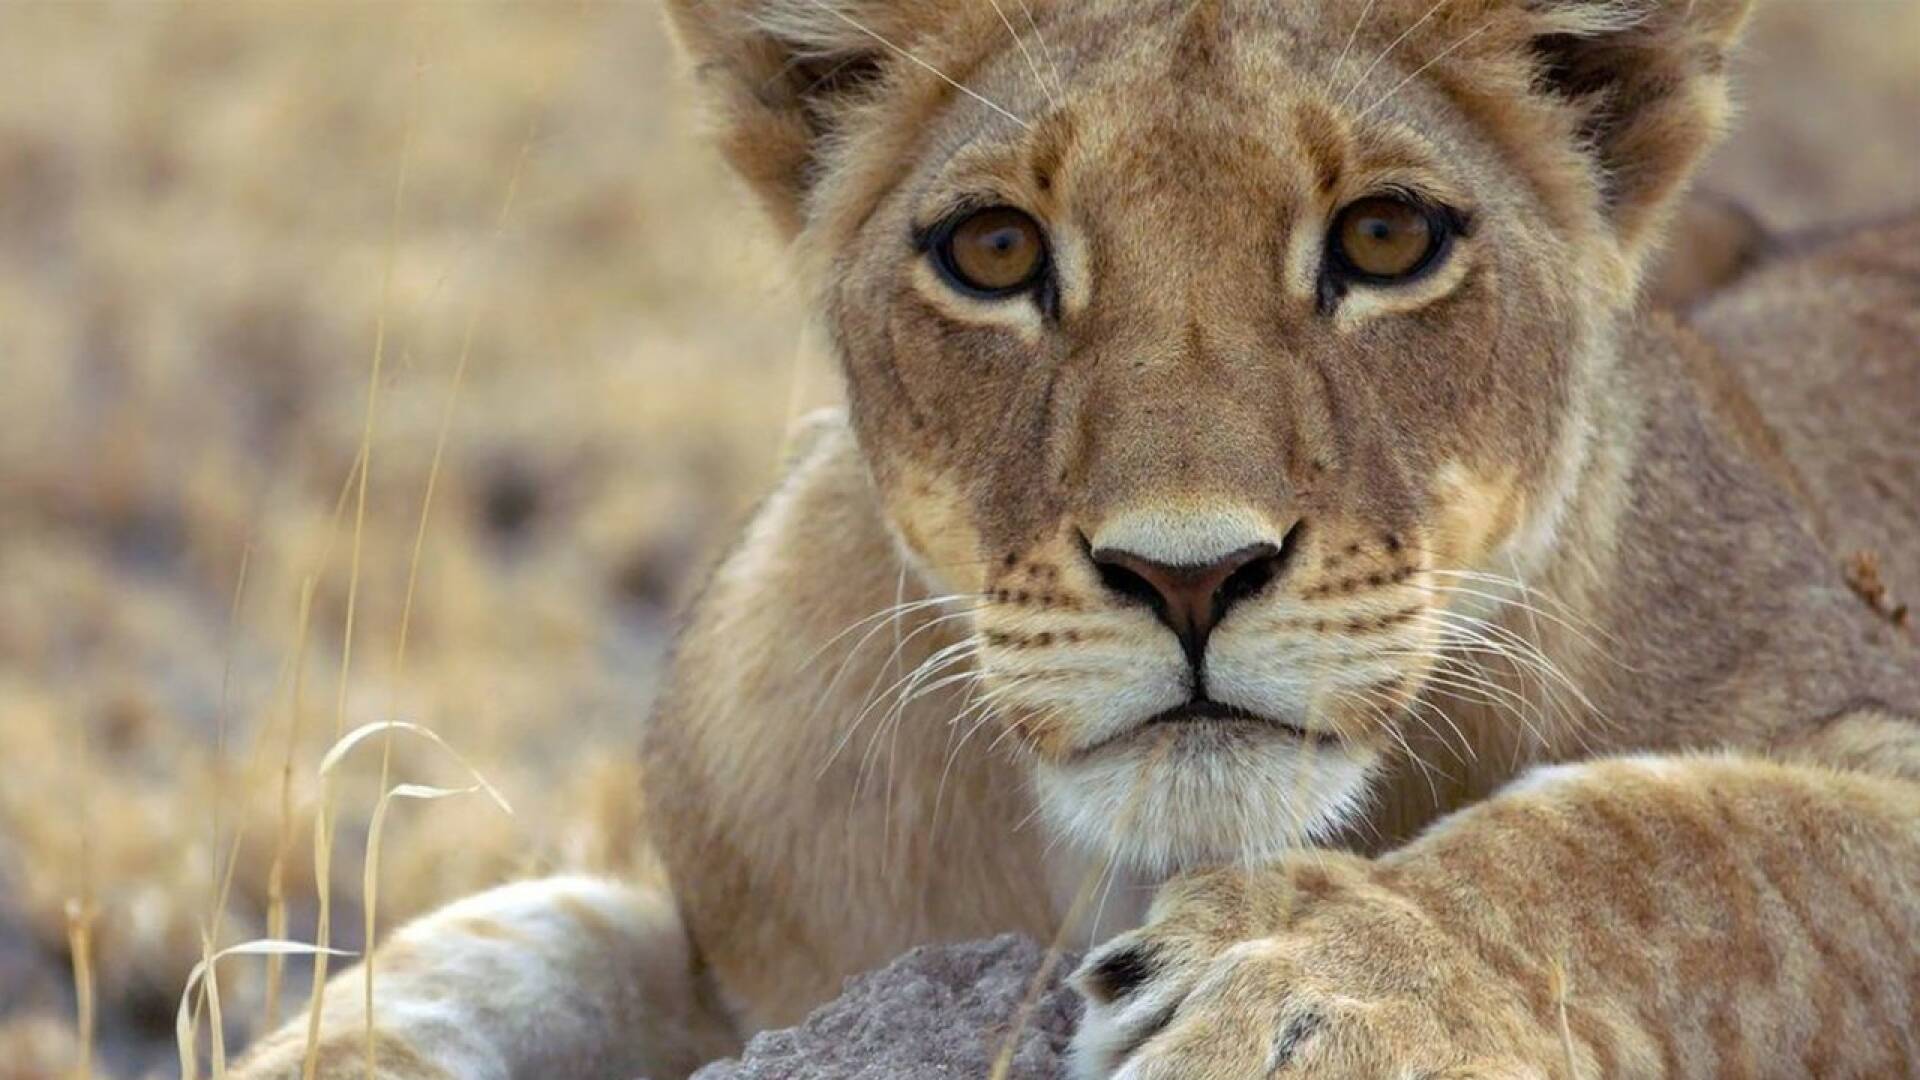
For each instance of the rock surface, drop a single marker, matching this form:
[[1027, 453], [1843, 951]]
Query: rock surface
[[940, 1011]]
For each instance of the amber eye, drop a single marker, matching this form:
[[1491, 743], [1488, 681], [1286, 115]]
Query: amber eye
[[994, 252], [1383, 238]]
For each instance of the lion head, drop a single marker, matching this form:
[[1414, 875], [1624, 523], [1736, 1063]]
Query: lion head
[[1211, 349]]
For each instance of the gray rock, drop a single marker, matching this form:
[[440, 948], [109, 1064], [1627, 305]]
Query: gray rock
[[940, 1011]]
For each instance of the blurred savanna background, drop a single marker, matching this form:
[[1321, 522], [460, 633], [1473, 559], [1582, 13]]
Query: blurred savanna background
[[477, 246]]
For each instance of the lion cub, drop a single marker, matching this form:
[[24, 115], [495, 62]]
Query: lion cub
[[1256, 458]]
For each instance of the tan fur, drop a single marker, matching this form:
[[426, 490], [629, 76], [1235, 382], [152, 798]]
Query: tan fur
[[1539, 525]]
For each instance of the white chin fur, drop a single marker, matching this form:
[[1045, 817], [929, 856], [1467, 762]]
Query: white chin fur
[[1216, 796]]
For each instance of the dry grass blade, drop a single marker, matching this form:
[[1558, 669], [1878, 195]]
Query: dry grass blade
[[223, 870], [323, 896], [347, 742], [370, 880], [369, 888], [1003, 1062], [80, 918], [186, 1026], [1559, 987], [323, 825], [82, 911], [221, 719], [283, 844], [323, 845]]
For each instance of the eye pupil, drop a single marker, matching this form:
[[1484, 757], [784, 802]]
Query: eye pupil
[[1384, 238], [997, 252]]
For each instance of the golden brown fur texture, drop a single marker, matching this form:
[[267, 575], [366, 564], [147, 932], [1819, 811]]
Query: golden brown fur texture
[[1513, 521]]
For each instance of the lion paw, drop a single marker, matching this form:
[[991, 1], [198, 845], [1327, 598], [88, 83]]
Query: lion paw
[[1310, 969]]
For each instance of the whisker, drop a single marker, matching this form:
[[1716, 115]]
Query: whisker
[[985, 710], [1567, 611], [899, 597], [912, 693], [1532, 611], [1059, 84], [1340, 63], [902, 609], [1364, 696], [1384, 53], [1469, 640], [869, 700], [826, 693], [1484, 690], [1459, 643], [1421, 70], [1025, 54], [904, 54], [1529, 651], [956, 653]]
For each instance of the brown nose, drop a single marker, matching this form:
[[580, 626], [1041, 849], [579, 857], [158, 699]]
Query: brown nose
[[1191, 600]]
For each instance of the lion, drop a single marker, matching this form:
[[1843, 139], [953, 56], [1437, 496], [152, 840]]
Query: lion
[[1268, 542]]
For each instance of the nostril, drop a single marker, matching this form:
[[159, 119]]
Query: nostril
[[1245, 582], [1127, 583], [1191, 598], [1258, 572]]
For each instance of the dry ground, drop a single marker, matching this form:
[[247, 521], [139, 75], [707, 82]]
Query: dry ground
[[204, 232]]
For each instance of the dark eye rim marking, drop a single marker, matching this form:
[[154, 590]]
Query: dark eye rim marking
[[934, 242], [1446, 224]]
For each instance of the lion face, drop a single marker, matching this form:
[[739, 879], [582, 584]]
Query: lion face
[[1208, 352]]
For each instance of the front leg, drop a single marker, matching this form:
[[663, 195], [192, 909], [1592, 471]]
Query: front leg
[[1657, 917]]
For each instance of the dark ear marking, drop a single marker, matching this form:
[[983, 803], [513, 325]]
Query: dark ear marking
[[1648, 85], [835, 76], [1120, 973]]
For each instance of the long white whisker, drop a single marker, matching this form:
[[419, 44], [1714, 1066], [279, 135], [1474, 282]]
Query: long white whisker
[[1384, 53], [1025, 53], [1340, 63], [1421, 70], [897, 609], [878, 620], [869, 700], [1059, 84], [956, 653], [1479, 688], [941, 75], [1521, 605], [1460, 621], [1460, 642], [984, 709], [1462, 638], [1366, 697]]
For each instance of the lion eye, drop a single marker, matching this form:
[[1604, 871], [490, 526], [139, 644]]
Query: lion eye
[[1385, 239], [994, 252]]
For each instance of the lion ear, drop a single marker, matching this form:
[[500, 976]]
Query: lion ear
[[1649, 82], [778, 74]]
